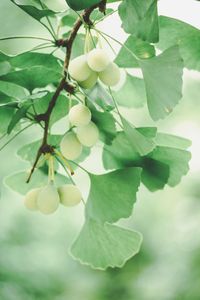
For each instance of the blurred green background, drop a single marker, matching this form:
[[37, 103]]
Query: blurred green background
[[34, 259]]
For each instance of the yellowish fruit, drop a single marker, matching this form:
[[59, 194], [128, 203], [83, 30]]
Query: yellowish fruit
[[69, 194], [70, 146], [48, 199], [31, 199], [90, 82], [111, 75], [98, 60], [79, 115], [79, 69], [88, 135]]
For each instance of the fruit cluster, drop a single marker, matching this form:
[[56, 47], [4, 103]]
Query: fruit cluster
[[47, 199], [86, 132], [86, 69]]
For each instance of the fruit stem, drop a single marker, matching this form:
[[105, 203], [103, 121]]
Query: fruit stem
[[59, 154], [51, 168]]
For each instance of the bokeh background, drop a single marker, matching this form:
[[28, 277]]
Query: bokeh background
[[34, 259]]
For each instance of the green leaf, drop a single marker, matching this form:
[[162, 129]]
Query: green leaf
[[176, 159], [17, 181], [113, 195], [137, 140], [13, 90], [164, 165], [132, 93], [4, 68], [6, 115], [155, 174], [99, 96], [139, 48], [105, 122], [79, 4], [169, 140], [34, 12], [119, 154], [30, 59], [19, 114], [69, 18], [32, 78], [187, 37], [163, 81], [140, 18], [104, 245]]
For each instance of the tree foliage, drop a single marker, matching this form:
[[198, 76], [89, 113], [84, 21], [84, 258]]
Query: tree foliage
[[36, 90]]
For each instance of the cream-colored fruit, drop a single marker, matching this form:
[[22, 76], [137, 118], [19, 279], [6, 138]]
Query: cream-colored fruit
[[31, 199], [90, 82], [111, 75], [70, 146], [79, 115], [48, 199], [79, 69], [88, 135], [69, 194], [98, 60]]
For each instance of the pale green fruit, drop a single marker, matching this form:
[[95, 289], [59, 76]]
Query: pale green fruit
[[90, 82], [88, 135], [69, 194], [70, 146], [79, 115], [98, 60], [79, 69], [31, 199], [111, 75], [48, 199]]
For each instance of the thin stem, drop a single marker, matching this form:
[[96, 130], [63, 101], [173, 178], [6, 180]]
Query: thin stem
[[92, 38], [59, 154], [116, 106], [11, 139], [62, 164], [116, 41], [104, 17], [82, 168], [3, 136], [25, 37], [107, 41], [41, 48], [49, 22]]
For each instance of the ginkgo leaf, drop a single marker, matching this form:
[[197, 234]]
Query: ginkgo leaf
[[31, 78], [132, 49], [138, 141], [187, 37], [112, 198], [140, 17], [163, 81], [132, 93], [34, 12], [104, 245]]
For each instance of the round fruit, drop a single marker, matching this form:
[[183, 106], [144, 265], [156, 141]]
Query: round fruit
[[48, 199], [31, 199], [111, 75], [88, 135], [70, 146], [79, 69], [90, 82], [98, 60], [69, 194], [79, 115]]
